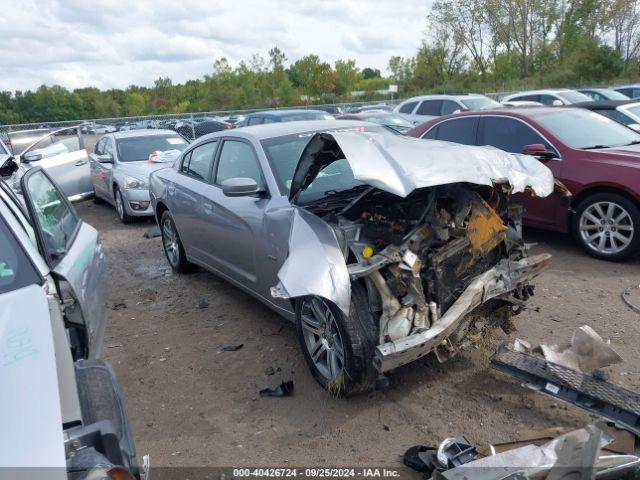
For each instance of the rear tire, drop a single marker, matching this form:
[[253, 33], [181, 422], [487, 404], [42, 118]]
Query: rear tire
[[172, 245], [120, 208], [327, 337], [607, 226]]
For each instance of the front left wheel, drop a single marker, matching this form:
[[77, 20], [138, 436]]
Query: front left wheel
[[338, 349], [120, 208]]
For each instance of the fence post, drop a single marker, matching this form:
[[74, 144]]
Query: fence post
[[193, 130]]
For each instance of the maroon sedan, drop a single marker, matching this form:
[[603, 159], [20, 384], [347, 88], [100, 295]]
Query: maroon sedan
[[596, 158]]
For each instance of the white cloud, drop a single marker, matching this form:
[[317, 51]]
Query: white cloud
[[117, 43]]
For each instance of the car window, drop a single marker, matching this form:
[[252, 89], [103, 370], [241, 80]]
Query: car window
[[408, 107], [430, 107], [527, 98], [16, 270], [3, 150], [448, 107], [56, 219], [184, 168], [626, 91], [254, 121], [579, 128], [13, 203], [509, 135], [200, 161], [571, 96], [138, 149], [99, 148], [237, 160], [59, 143], [617, 116], [431, 134], [547, 99], [462, 130], [108, 148]]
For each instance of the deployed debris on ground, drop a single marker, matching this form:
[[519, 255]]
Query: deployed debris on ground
[[597, 451]]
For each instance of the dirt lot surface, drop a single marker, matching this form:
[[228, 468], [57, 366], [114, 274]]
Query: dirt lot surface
[[192, 405]]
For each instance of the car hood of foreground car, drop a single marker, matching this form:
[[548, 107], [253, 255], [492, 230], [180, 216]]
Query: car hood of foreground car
[[30, 413], [399, 164]]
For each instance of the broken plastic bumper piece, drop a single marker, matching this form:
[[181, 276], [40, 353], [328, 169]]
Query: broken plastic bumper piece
[[506, 276]]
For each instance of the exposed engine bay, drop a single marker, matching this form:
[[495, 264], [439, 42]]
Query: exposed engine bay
[[416, 255]]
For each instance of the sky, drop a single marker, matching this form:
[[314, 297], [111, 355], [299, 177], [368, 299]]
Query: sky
[[114, 44]]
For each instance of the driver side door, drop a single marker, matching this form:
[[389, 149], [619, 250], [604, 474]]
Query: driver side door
[[63, 155], [74, 254]]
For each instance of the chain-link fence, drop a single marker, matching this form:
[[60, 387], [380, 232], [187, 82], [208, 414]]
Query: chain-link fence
[[191, 125]]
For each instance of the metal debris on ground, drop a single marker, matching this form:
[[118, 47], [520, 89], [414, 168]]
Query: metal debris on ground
[[285, 389], [631, 297], [232, 348], [587, 351], [152, 232]]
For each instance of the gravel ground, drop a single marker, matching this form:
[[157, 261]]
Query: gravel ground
[[192, 405]]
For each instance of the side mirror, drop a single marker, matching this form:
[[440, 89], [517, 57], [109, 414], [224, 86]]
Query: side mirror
[[240, 187], [8, 167], [557, 103], [106, 158], [539, 150], [31, 157]]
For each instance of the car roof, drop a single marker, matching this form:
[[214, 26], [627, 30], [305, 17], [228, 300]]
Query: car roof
[[281, 129], [284, 113], [456, 96], [143, 133]]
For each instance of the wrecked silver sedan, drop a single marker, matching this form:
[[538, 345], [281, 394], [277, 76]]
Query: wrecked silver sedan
[[381, 248]]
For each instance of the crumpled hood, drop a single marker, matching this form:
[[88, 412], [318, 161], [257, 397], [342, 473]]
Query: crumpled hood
[[399, 164]]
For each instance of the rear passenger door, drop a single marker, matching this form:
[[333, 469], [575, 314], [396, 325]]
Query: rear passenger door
[[429, 109], [511, 135]]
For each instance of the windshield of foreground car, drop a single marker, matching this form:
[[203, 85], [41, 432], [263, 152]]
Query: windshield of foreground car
[[284, 153], [480, 103], [584, 129], [574, 97], [16, 271], [137, 149]]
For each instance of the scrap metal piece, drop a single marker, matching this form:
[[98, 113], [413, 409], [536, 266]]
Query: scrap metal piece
[[587, 351], [285, 389], [605, 399], [485, 229], [502, 278]]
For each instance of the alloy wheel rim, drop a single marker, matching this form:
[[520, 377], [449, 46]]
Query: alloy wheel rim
[[170, 242], [119, 204], [606, 227], [322, 338]]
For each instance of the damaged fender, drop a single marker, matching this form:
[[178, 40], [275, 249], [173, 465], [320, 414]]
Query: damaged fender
[[315, 264]]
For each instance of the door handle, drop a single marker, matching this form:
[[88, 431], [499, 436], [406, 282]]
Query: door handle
[[81, 162]]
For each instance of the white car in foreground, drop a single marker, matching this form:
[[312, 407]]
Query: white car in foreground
[[61, 411]]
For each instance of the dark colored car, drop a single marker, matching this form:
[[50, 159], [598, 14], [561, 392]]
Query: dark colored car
[[274, 116], [388, 119], [192, 129], [626, 112], [596, 158]]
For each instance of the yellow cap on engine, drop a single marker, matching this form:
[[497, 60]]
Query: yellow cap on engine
[[367, 252]]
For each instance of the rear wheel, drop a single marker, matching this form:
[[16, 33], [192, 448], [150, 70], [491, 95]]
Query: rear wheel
[[607, 225], [338, 349], [120, 208], [172, 245]]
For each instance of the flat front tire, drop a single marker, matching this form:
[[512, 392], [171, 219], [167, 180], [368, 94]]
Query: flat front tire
[[607, 226], [338, 349], [172, 245]]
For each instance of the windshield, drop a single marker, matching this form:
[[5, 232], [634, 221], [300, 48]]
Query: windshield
[[579, 128], [574, 97], [612, 94], [480, 103], [137, 149], [635, 110], [16, 271], [394, 121], [284, 152]]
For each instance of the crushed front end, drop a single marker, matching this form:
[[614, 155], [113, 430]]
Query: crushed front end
[[439, 265]]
